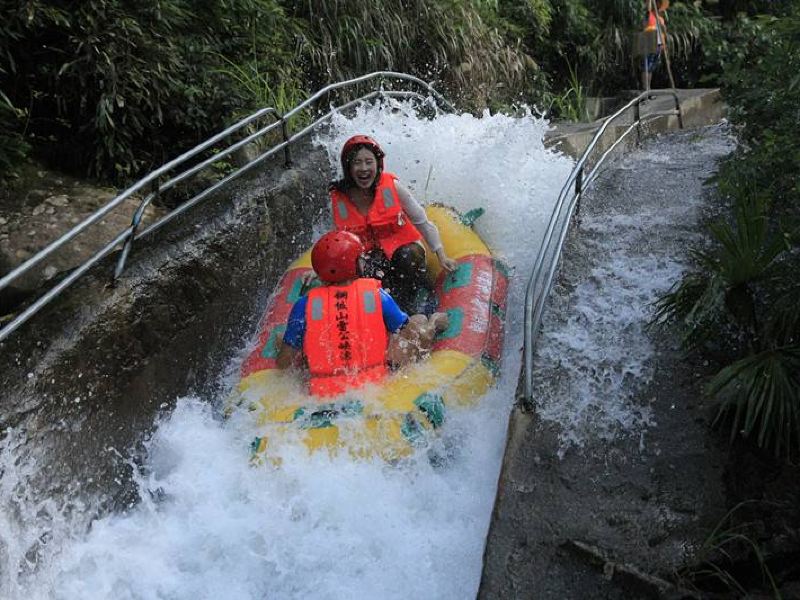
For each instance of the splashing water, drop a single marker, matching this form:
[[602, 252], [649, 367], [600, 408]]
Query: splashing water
[[211, 526]]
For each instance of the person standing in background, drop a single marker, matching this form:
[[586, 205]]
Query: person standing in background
[[654, 26]]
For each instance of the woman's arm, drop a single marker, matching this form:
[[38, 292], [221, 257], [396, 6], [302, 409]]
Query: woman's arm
[[428, 230]]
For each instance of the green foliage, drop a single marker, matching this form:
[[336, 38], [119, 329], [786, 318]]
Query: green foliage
[[724, 291], [744, 296], [741, 298], [114, 88], [761, 83], [718, 562], [459, 45], [117, 87], [263, 88], [696, 303], [761, 398], [598, 36], [695, 45], [13, 147], [571, 105]]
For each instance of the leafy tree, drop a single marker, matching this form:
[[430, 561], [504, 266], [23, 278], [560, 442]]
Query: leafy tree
[[459, 45], [744, 296], [115, 87], [13, 147]]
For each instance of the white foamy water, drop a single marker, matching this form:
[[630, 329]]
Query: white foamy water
[[211, 526], [595, 358]]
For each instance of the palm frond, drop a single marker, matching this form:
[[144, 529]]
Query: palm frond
[[747, 248], [715, 557], [697, 304], [784, 323], [761, 394]]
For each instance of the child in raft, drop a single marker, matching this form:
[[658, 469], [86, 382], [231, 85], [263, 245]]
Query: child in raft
[[349, 330], [390, 223]]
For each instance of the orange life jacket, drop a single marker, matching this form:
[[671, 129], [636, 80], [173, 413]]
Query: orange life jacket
[[385, 226], [651, 25], [345, 341]]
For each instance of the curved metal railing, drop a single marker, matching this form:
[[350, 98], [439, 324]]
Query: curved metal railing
[[541, 279], [131, 234]]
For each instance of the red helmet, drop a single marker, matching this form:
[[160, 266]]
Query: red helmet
[[335, 256], [361, 141]]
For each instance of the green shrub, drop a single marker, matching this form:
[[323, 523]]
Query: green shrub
[[743, 299], [118, 87], [694, 45], [597, 37], [460, 46], [761, 84], [717, 566], [744, 296], [13, 147]]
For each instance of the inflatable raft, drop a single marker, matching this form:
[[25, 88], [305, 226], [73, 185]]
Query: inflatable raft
[[400, 413]]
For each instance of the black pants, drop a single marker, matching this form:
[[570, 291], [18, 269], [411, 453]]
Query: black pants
[[402, 276]]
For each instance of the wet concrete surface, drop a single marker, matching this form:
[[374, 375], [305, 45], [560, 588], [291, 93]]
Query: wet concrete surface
[[87, 378], [590, 507], [84, 381]]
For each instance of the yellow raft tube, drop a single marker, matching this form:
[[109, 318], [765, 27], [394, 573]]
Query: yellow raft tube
[[392, 418]]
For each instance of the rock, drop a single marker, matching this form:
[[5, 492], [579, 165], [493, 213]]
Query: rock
[[22, 254], [60, 200], [37, 210], [50, 210], [3, 220], [50, 272], [37, 195]]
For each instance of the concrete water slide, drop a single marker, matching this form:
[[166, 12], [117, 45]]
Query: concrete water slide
[[86, 378], [610, 480]]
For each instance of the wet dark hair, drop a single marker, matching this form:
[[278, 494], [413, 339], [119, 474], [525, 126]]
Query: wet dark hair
[[346, 183]]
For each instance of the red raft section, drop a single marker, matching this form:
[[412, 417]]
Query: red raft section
[[394, 416]]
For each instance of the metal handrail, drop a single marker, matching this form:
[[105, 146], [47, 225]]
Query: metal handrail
[[131, 233], [258, 160], [114, 202], [541, 280]]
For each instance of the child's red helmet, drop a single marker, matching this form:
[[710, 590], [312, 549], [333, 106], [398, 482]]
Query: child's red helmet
[[356, 142], [335, 256]]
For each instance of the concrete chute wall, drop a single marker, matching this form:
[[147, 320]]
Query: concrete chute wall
[[84, 380]]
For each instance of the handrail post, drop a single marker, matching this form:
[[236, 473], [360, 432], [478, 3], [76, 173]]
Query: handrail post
[[136, 220], [637, 118], [526, 404], [678, 109], [286, 152], [578, 191]]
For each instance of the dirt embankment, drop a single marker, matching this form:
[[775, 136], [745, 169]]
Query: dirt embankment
[[38, 207]]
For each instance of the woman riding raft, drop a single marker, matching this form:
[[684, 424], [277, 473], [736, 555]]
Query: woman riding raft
[[391, 224]]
